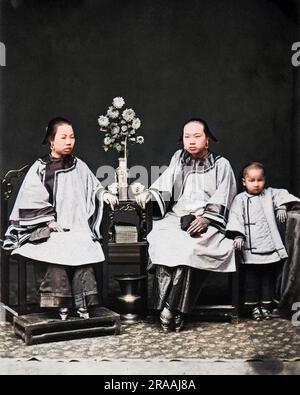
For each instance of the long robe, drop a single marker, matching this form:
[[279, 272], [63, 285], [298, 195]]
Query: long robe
[[73, 197], [254, 218], [191, 186]]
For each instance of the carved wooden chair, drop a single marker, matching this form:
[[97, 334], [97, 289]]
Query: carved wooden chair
[[22, 306], [289, 281], [229, 309], [6, 194], [30, 323]]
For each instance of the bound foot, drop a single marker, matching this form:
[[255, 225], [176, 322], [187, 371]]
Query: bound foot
[[178, 323], [83, 313], [166, 320], [63, 312]]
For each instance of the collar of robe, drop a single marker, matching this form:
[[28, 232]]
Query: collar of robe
[[250, 195], [67, 161], [206, 163]]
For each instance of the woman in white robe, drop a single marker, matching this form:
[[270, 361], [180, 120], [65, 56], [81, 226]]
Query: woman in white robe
[[56, 219], [191, 202]]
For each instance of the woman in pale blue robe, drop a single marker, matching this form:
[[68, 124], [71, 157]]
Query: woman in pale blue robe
[[56, 219], [192, 199]]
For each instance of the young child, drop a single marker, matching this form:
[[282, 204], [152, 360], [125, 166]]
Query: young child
[[253, 224]]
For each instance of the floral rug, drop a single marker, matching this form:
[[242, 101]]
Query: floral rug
[[249, 341]]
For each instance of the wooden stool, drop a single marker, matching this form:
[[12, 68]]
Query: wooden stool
[[47, 327]]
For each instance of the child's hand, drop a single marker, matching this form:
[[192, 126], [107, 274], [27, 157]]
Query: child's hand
[[239, 243], [282, 215]]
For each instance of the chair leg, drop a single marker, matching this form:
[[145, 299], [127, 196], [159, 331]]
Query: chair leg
[[4, 277], [105, 276], [99, 277], [236, 288], [144, 285], [22, 286]]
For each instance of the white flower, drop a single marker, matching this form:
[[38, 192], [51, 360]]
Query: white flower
[[137, 188], [113, 188], [115, 130], [136, 124], [112, 113], [119, 125], [107, 141], [118, 147], [128, 115], [118, 102], [140, 140], [103, 121]]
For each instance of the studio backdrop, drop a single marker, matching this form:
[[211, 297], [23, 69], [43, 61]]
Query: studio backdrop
[[226, 61]]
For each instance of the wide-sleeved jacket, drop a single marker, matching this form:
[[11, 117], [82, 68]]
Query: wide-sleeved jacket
[[254, 218], [65, 191]]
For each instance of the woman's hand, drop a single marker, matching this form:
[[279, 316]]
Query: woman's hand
[[143, 198], [110, 199], [199, 226], [239, 243], [55, 227]]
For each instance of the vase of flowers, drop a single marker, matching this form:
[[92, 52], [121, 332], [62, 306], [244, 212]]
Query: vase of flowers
[[120, 127]]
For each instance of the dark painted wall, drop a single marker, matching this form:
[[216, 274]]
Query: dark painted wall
[[228, 61], [296, 114]]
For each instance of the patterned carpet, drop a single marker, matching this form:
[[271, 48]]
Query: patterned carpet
[[248, 341]]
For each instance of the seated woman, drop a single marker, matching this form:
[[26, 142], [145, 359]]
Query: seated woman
[[56, 219], [187, 242]]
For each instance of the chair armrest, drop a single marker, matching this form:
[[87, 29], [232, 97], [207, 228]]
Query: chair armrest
[[149, 217], [294, 207]]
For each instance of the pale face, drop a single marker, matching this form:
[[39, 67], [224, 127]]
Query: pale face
[[195, 140], [64, 141], [254, 181]]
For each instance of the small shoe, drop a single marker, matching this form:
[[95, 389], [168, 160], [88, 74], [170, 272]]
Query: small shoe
[[276, 313], [83, 313], [256, 314], [178, 323], [266, 314], [165, 323], [63, 312]]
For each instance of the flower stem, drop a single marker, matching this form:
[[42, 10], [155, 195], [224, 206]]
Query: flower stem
[[126, 148]]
